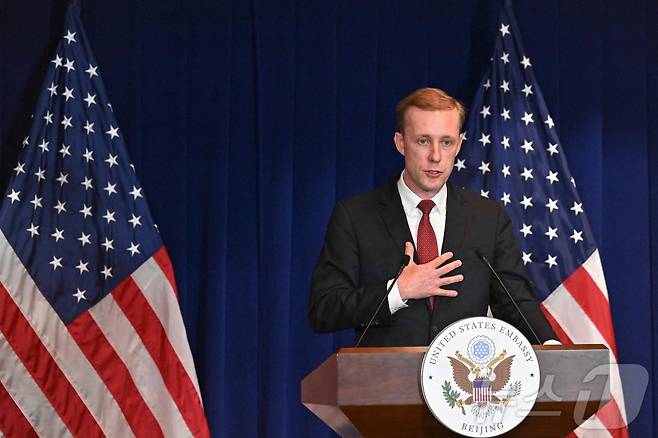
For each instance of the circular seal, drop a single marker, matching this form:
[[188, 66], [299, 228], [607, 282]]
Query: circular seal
[[480, 377]]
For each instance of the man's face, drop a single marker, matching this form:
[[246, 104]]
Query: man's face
[[430, 143]]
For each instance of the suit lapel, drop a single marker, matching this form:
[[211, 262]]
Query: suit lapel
[[457, 221], [393, 216]]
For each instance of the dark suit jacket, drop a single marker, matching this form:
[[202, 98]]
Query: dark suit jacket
[[363, 249]]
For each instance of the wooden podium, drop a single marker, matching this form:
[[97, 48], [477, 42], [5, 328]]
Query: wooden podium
[[375, 392]]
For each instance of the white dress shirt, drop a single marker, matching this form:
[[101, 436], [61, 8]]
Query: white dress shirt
[[410, 202]]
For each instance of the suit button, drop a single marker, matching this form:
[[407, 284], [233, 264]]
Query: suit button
[[435, 329], [376, 322]]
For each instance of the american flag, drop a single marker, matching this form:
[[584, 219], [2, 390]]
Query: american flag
[[481, 390], [92, 342], [511, 153]]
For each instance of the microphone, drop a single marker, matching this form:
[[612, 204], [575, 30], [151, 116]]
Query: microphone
[[405, 262], [509, 295]]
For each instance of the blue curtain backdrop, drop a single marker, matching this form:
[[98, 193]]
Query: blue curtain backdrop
[[247, 120]]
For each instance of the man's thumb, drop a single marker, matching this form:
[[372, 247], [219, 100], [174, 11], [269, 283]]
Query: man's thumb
[[409, 250]]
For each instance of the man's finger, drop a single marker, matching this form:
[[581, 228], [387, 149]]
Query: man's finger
[[445, 293], [449, 280], [448, 267], [441, 259], [409, 250]]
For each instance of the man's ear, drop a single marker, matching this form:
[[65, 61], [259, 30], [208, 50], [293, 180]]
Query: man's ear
[[398, 139]]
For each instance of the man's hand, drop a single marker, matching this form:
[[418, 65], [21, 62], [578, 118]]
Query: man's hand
[[422, 281]]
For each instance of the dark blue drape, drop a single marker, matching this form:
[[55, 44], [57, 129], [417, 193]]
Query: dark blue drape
[[246, 120]]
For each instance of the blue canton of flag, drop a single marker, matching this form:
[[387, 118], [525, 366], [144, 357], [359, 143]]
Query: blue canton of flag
[[74, 211], [511, 153]]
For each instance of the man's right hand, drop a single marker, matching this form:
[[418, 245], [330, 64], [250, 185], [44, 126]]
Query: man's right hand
[[422, 281]]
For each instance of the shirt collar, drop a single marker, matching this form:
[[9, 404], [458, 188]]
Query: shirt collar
[[410, 200]]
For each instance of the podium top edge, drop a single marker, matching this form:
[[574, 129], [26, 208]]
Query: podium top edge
[[361, 350]]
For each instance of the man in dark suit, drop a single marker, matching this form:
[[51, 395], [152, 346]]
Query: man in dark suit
[[369, 234]]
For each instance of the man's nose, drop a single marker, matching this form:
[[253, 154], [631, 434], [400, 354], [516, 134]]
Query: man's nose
[[435, 153]]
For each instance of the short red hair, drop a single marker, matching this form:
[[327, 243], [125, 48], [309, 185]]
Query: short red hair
[[428, 99]]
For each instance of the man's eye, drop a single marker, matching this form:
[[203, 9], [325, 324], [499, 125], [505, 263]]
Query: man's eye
[[447, 143], [423, 141]]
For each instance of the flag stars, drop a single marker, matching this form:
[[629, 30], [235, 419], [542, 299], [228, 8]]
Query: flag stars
[[460, 164], [110, 188], [66, 122], [506, 172], [14, 196], [86, 211], [90, 99], [484, 139], [80, 295], [60, 207], [487, 84], [52, 89], [91, 71], [527, 146], [551, 233], [113, 132], [462, 136], [68, 65], [552, 205], [62, 179], [573, 181], [70, 37], [526, 202], [505, 114], [84, 239], [26, 141], [89, 127], [40, 174], [549, 122], [577, 208], [134, 249], [106, 272], [87, 183], [525, 62], [526, 257], [56, 262], [36, 202], [506, 198], [68, 93], [505, 142], [33, 230], [527, 174], [57, 61], [504, 29], [112, 160], [20, 168], [527, 118], [505, 58], [552, 149], [88, 155], [108, 244], [484, 194], [58, 235], [552, 177], [577, 236], [551, 261], [109, 216], [484, 167], [44, 146], [527, 90], [82, 267], [526, 230], [485, 111], [135, 220], [505, 86], [48, 118], [65, 150]]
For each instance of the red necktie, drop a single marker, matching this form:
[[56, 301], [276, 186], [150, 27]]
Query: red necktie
[[426, 244]]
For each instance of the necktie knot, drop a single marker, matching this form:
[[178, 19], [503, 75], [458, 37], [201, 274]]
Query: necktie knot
[[426, 205]]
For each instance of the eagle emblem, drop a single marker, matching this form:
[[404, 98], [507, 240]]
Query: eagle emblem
[[483, 376]]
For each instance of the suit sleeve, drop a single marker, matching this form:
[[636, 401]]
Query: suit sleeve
[[508, 263], [337, 300]]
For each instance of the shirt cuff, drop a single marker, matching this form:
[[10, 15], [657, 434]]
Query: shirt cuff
[[395, 302]]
